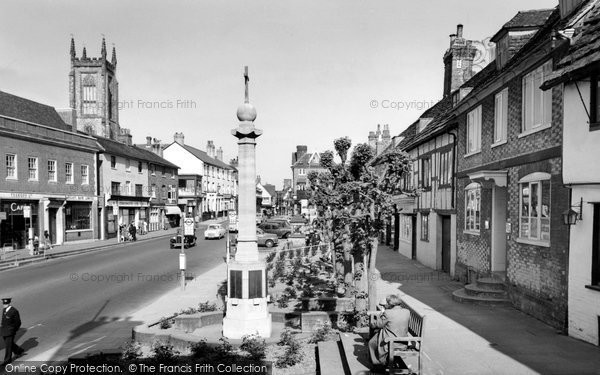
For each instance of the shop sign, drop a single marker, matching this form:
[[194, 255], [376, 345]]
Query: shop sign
[[21, 195], [27, 212]]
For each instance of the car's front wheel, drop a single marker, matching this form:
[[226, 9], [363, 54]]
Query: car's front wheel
[[269, 243]]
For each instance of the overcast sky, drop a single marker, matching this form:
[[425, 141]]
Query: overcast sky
[[315, 66]]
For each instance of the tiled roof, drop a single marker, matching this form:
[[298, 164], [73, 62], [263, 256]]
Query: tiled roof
[[204, 157], [526, 19], [304, 161], [30, 111], [584, 51], [270, 189], [132, 152]]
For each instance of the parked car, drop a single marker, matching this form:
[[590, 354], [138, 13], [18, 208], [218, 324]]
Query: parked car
[[280, 229], [176, 241], [266, 239], [214, 231], [285, 222]]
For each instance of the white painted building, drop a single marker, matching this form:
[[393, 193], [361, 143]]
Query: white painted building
[[579, 73]]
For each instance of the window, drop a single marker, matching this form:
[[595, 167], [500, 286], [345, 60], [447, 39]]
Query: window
[[139, 190], [474, 131], [502, 52], [85, 175], [472, 207], [128, 187], [537, 104], [595, 102], [69, 173], [445, 168], [115, 188], [163, 192], [171, 192], [78, 216], [52, 171], [534, 212], [426, 172], [140, 167], [162, 170], [11, 166], [500, 116], [153, 191], [89, 94], [424, 227], [113, 162], [127, 165], [301, 171], [32, 164]]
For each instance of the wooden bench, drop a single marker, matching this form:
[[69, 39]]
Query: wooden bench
[[406, 347]]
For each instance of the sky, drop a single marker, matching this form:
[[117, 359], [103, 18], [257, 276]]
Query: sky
[[319, 70]]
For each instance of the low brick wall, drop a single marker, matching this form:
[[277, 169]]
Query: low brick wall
[[191, 322]]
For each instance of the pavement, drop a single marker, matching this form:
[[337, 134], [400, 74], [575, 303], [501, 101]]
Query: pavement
[[459, 338]]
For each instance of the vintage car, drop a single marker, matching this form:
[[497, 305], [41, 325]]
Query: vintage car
[[266, 239], [214, 231], [176, 241]]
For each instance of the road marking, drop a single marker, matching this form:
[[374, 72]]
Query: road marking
[[88, 342], [37, 325], [83, 350]]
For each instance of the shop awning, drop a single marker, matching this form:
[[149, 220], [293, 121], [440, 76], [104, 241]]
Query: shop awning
[[172, 210]]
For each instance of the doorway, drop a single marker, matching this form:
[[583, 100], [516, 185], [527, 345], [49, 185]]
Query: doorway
[[499, 201], [413, 240], [446, 243], [52, 225]]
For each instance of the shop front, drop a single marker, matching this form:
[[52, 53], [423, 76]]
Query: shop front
[[125, 212], [18, 223], [78, 220]]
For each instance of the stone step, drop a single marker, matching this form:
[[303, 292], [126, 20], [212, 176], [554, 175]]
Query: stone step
[[491, 283], [355, 352], [476, 290], [462, 296], [330, 358]]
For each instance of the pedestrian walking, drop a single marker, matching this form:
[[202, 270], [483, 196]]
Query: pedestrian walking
[[36, 245], [11, 322], [132, 231], [47, 242], [144, 227]]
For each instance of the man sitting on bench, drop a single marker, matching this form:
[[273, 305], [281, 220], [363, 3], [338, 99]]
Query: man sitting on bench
[[391, 322]]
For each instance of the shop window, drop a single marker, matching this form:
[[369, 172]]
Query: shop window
[[537, 104], [32, 165], [534, 210], [11, 166], [52, 171], [500, 116], [69, 173], [77, 216], [474, 131], [472, 207], [85, 175], [424, 227]]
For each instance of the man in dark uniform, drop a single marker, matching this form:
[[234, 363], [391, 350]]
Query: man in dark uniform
[[11, 322]]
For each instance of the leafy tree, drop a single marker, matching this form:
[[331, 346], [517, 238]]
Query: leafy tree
[[354, 200]]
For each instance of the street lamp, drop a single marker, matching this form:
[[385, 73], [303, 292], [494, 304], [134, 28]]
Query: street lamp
[[571, 216]]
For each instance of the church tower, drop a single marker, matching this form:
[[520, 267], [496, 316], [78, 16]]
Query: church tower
[[94, 93]]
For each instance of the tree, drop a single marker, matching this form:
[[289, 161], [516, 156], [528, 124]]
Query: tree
[[354, 200]]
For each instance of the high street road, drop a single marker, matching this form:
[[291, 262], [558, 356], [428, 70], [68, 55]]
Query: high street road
[[84, 303]]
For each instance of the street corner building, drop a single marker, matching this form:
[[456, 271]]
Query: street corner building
[[48, 176]]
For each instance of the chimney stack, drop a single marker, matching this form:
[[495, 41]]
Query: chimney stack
[[220, 154], [459, 31], [452, 39], [179, 138], [148, 141]]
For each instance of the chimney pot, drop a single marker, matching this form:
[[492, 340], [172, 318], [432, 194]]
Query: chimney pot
[[148, 141]]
